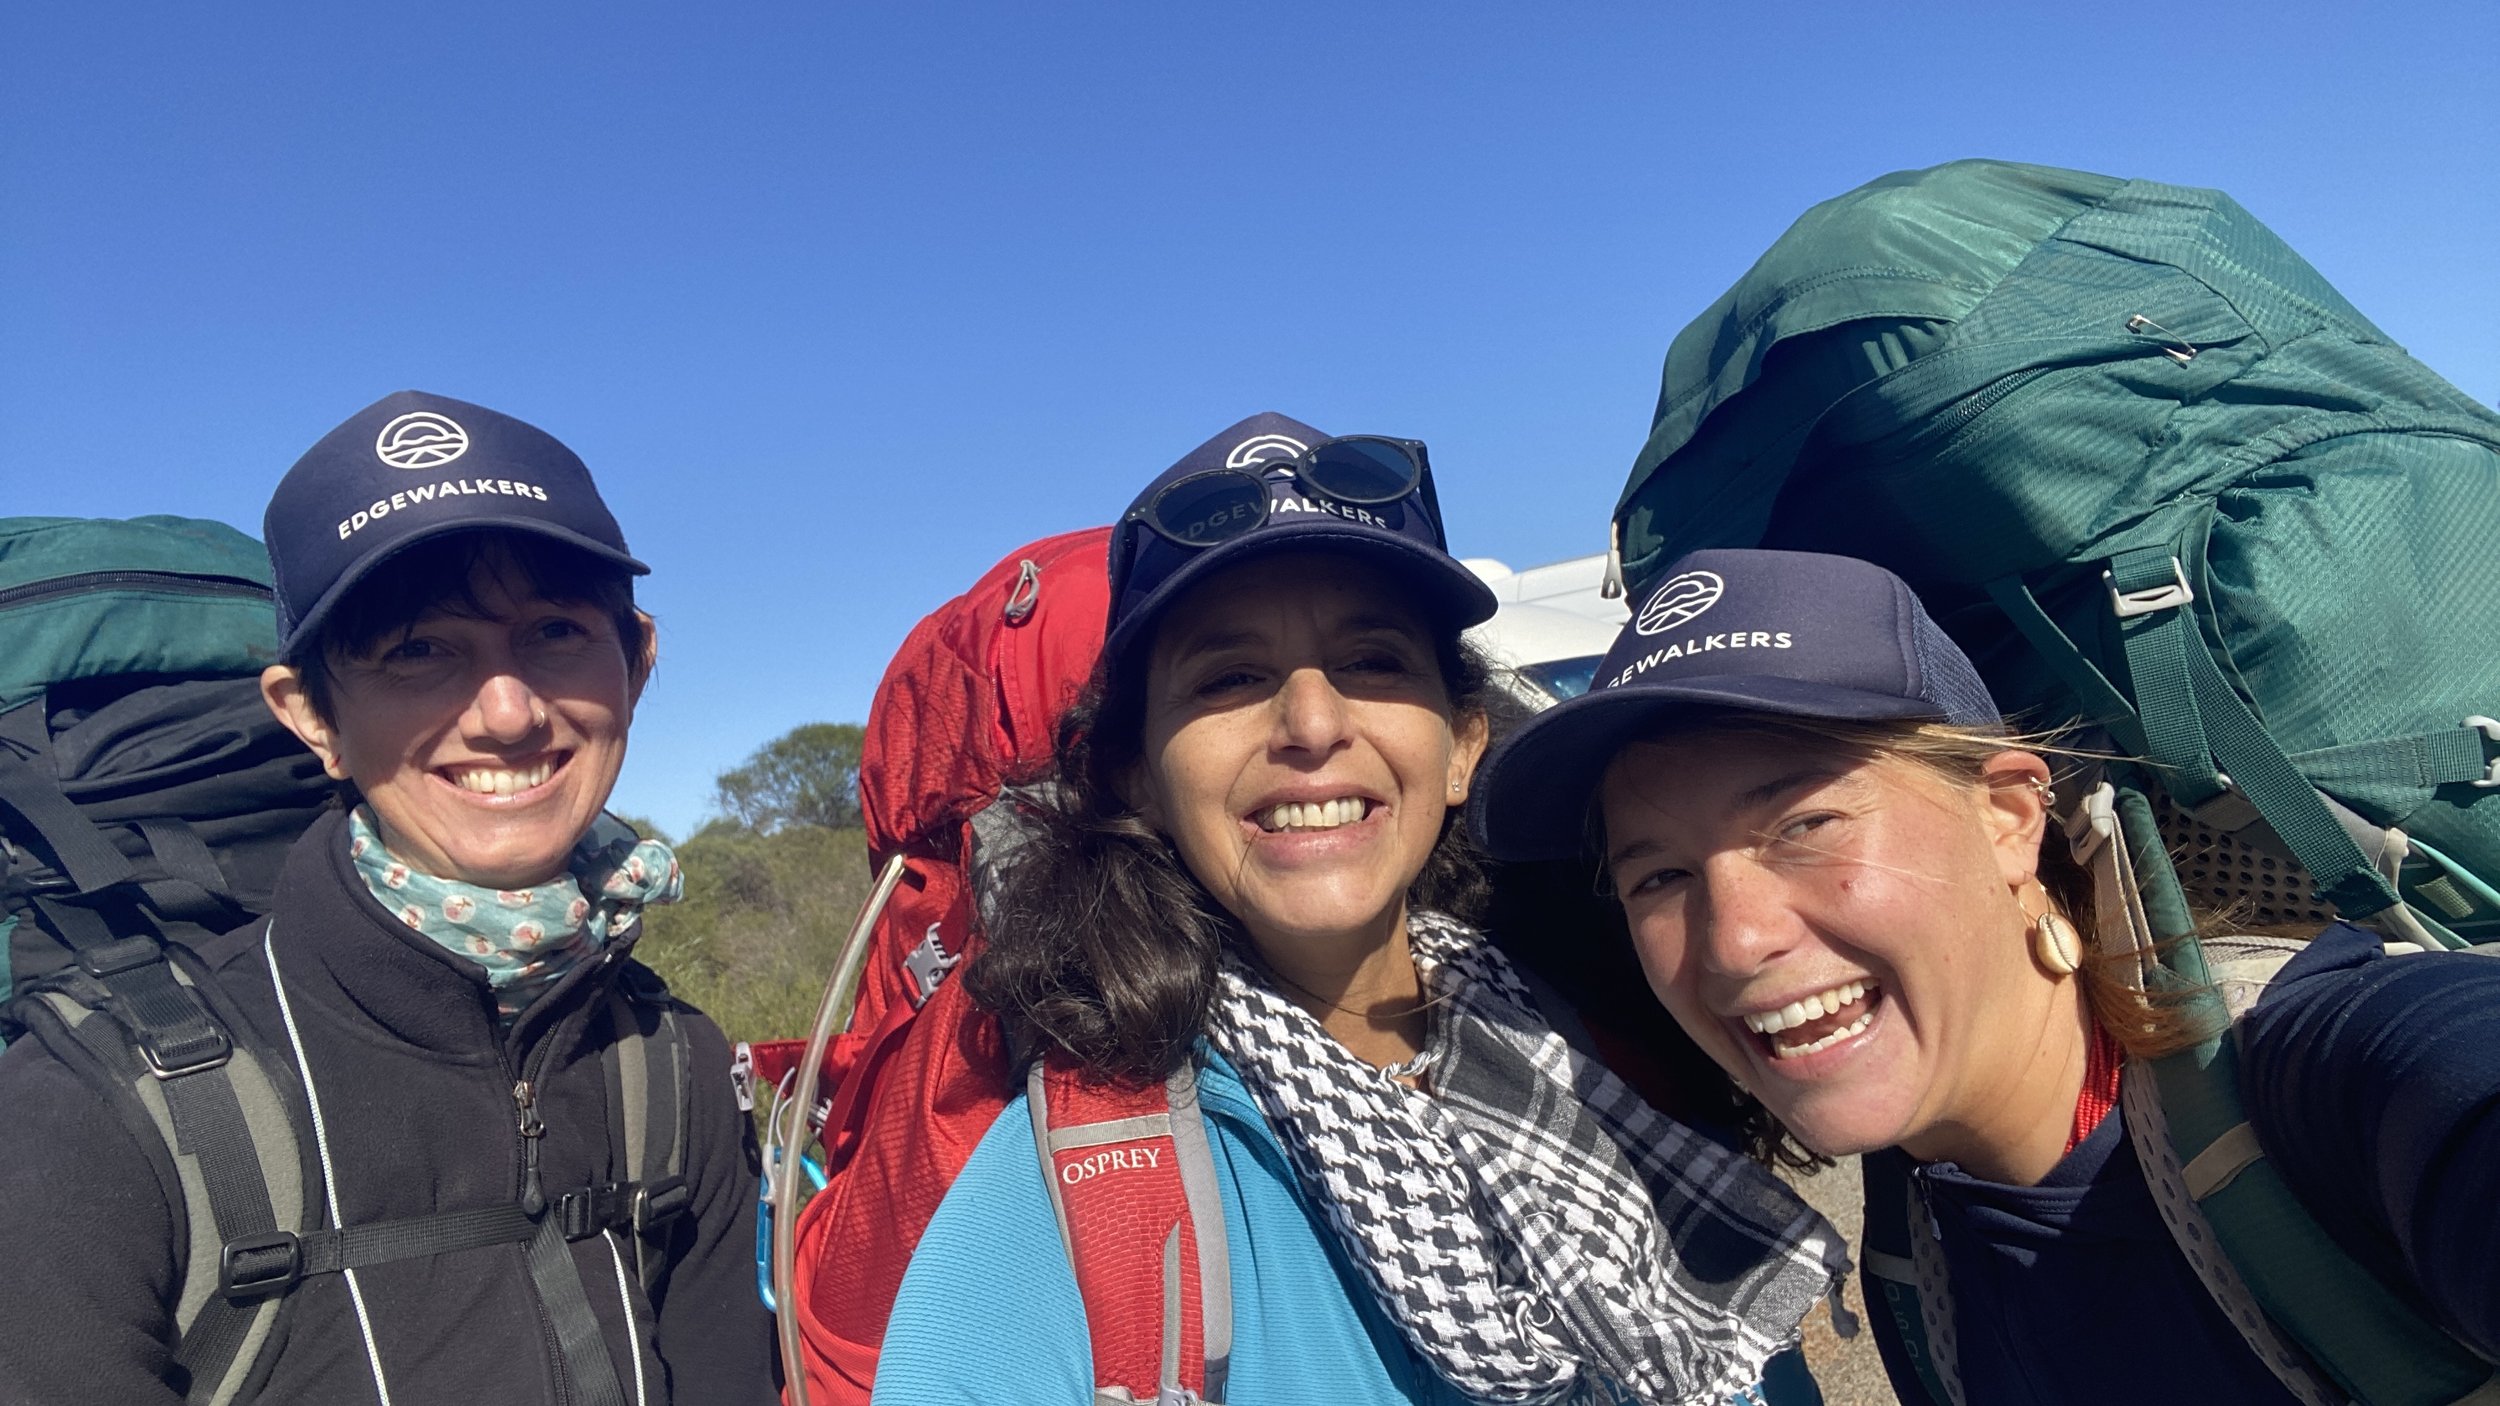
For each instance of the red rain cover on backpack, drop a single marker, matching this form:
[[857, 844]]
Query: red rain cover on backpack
[[969, 707]]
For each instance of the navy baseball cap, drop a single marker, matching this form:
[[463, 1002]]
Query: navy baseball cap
[[1150, 571], [410, 467], [1798, 634]]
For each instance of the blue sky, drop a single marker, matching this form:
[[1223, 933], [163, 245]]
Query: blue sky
[[842, 303]]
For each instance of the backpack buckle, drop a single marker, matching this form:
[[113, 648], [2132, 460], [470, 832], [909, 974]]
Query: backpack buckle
[[257, 1266], [2490, 729], [584, 1213], [659, 1202], [204, 1049], [927, 965], [171, 1046], [2150, 600]]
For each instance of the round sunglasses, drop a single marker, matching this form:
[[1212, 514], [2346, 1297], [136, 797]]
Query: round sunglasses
[[1218, 505]]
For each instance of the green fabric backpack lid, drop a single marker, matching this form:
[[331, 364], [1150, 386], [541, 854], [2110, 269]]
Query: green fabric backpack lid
[[1860, 285], [84, 598]]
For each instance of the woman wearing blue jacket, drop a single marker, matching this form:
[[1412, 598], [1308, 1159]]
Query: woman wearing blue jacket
[[1838, 869], [1255, 878]]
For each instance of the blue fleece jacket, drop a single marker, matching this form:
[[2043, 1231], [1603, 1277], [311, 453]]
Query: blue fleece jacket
[[2373, 1083], [989, 1312]]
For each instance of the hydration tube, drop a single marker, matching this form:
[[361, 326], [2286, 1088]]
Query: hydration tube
[[840, 987]]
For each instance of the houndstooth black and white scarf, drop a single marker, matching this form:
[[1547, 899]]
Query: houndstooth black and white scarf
[[1537, 1232]]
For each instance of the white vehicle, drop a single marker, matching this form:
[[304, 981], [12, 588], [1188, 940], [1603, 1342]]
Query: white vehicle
[[1553, 626]]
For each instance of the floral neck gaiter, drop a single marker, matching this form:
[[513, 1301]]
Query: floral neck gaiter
[[526, 939]]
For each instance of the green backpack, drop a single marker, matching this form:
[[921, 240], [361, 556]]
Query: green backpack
[[138, 767], [2153, 474]]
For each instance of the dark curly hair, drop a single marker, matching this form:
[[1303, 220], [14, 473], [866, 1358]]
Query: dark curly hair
[[1101, 943]]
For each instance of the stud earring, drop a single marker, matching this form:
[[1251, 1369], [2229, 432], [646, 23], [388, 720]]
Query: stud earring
[[2055, 944]]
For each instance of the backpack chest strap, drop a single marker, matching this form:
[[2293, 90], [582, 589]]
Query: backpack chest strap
[[272, 1262]]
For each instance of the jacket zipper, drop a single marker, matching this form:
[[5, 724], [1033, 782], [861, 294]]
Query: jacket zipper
[[533, 1130], [525, 1107], [180, 583]]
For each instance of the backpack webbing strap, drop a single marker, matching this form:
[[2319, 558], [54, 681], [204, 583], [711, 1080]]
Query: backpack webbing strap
[[1132, 1182], [253, 1266], [49, 823], [174, 1031], [236, 1159], [2165, 1148], [580, 1346], [2150, 595], [2448, 757], [2092, 690], [51, 826], [208, 1125], [2198, 731], [1892, 1271], [646, 1075], [651, 1082], [181, 853], [163, 1016]]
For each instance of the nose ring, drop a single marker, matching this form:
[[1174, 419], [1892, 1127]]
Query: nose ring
[[538, 716]]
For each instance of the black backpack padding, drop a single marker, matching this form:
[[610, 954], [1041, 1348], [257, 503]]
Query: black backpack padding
[[144, 789], [191, 785]]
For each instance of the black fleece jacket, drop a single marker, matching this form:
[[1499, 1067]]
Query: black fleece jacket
[[415, 1083]]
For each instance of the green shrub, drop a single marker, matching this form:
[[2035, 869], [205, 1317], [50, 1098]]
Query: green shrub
[[760, 925]]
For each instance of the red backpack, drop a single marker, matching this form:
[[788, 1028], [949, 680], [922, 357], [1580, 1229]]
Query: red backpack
[[967, 714]]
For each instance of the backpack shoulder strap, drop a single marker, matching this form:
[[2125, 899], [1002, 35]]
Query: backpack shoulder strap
[[1132, 1181], [221, 1110], [143, 1030], [2327, 1328], [1895, 1222], [650, 1080]]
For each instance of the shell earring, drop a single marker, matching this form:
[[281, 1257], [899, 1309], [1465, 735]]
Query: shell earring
[[2055, 944]]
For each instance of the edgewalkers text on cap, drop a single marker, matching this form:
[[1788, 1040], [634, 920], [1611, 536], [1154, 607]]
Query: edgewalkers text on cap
[[384, 507]]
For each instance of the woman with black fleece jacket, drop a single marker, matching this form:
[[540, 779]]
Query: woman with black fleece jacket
[[446, 972]]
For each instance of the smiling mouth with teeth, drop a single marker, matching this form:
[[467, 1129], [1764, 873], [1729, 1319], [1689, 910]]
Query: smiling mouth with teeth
[[1816, 1022], [1297, 816], [502, 780]]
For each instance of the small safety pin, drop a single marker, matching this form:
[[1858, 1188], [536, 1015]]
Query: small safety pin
[[2181, 351]]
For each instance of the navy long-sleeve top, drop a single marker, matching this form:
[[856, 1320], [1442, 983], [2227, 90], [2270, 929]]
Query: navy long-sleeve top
[[2374, 1084]]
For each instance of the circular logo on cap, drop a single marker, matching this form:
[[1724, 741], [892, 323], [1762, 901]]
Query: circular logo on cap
[[1263, 449], [420, 439], [1679, 599]]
